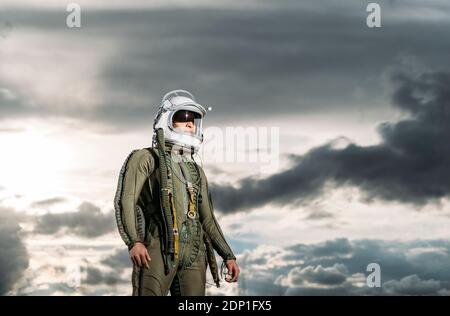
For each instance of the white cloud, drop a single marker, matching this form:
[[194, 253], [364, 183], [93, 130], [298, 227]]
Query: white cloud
[[413, 285], [317, 276]]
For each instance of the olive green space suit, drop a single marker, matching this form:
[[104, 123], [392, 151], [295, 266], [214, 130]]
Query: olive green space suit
[[139, 218]]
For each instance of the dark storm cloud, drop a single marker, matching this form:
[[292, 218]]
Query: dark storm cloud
[[410, 165], [6, 28], [13, 105], [88, 221], [264, 62], [48, 202], [407, 268], [318, 215], [14, 256], [95, 276], [118, 260], [276, 59]]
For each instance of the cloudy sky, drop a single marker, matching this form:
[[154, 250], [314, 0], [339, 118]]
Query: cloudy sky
[[352, 160]]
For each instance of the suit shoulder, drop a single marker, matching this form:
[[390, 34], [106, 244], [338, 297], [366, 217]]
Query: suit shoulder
[[141, 158]]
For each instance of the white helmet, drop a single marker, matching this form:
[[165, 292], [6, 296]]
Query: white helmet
[[181, 105]]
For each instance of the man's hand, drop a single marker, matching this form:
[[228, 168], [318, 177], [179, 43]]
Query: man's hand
[[139, 255], [233, 271]]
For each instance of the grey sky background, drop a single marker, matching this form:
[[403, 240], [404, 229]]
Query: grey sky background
[[290, 61], [363, 117]]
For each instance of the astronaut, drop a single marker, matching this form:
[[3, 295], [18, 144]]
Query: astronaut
[[164, 210]]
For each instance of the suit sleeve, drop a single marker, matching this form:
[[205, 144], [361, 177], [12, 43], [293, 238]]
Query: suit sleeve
[[210, 224], [134, 173]]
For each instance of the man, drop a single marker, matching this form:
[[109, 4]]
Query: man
[[164, 209]]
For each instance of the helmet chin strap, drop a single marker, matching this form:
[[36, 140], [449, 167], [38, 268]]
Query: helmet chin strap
[[181, 149]]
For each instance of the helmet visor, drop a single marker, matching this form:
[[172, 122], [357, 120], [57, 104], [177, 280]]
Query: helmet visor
[[187, 122], [185, 116]]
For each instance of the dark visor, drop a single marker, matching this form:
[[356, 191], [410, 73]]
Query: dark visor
[[185, 116]]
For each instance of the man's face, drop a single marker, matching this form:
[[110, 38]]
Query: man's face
[[183, 121], [185, 127]]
